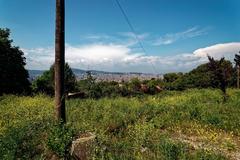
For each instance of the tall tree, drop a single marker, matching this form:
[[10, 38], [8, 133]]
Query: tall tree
[[60, 61], [237, 61], [13, 75], [45, 82], [221, 74]]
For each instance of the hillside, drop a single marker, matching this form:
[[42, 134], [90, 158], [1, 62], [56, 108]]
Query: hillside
[[193, 124]]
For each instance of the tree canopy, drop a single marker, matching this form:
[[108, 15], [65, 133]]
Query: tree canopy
[[222, 72], [237, 59], [45, 82], [205, 75], [13, 75]]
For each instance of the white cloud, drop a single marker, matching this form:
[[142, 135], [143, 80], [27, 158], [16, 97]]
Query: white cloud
[[122, 38], [97, 36], [173, 37], [133, 36], [115, 57], [227, 50], [99, 54], [130, 39]]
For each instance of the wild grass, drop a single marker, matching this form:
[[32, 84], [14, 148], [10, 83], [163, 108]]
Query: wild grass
[[193, 124]]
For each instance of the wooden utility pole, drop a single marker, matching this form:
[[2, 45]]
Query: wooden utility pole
[[60, 61]]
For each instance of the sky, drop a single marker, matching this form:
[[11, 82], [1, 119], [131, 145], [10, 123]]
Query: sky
[[177, 35]]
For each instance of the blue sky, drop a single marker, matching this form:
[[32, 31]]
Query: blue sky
[[177, 34]]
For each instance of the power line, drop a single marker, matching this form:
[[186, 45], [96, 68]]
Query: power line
[[133, 31]]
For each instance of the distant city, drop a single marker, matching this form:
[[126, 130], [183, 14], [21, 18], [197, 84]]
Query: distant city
[[103, 75]]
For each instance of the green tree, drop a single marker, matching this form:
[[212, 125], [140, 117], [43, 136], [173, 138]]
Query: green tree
[[237, 61], [93, 88], [13, 75], [134, 85], [171, 77], [222, 71], [197, 78], [153, 84], [171, 80], [200, 77], [45, 83]]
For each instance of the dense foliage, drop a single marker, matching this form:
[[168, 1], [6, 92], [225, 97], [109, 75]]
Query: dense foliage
[[13, 75], [97, 89], [237, 69], [222, 72], [204, 76], [201, 77], [191, 124], [171, 77], [214, 74], [237, 59], [45, 82]]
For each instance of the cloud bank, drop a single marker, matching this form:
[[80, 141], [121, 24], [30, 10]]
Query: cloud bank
[[119, 57]]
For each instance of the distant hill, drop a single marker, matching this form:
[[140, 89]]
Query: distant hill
[[35, 73]]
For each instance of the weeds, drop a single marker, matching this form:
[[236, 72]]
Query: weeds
[[170, 125]]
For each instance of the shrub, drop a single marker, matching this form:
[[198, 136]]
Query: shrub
[[214, 74], [171, 77], [172, 150], [59, 139], [45, 83]]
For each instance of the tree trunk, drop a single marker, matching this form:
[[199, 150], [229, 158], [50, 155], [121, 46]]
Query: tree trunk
[[238, 72], [60, 61]]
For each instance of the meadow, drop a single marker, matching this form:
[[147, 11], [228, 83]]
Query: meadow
[[191, 124]]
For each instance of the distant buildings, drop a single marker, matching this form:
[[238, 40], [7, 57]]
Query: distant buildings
[[120, 77], [103, 76]]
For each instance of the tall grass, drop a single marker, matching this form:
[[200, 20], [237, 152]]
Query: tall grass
[[194, 124]]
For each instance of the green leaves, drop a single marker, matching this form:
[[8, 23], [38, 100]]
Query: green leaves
[[237, 59], [45, 83], [59, 139], [13, 77]]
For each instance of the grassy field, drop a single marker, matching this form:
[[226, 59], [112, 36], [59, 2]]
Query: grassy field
[[193, 124]]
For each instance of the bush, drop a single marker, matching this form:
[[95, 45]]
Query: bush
[[202, 77], [45, 83], [59, 139], [171, 150], [171, 77], [90, 87]]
